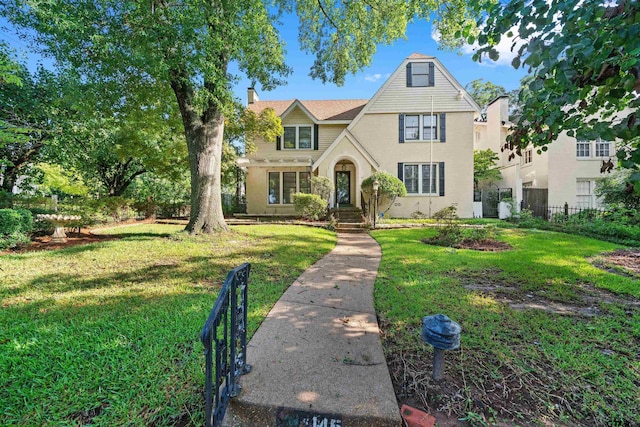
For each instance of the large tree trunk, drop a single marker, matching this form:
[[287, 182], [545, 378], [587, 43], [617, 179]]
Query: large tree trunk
[[205, 155], [204, 133]]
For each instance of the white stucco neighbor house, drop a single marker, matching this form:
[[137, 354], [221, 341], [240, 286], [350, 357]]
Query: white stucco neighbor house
[[419, 126], [568, 171]]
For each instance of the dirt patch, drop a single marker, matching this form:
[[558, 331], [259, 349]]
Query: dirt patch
[[84, 418], [489, 245], [484, 245], [623, 261], [474, 391], [587, 300]]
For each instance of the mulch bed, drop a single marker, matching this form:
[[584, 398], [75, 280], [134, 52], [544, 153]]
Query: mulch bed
[[489, 245]]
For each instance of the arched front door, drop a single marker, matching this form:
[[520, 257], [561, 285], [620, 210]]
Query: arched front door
[[343, 187], [344, 183]]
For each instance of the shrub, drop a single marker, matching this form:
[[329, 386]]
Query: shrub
[[389, 188], [309, 206], [15, 226], [41, 227], [322, 186], [480, 233], [449, 231]]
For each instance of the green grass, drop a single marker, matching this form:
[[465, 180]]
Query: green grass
[[554, 368], [108, 333]]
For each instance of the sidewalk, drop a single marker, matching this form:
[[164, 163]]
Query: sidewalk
[[317, 357]]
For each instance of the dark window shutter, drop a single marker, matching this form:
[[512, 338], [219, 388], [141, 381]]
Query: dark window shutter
[[315, 137], [401, 171], [409, 75], [443, 127], [432, 79], [278, 142], [442, 178], [401, 126]]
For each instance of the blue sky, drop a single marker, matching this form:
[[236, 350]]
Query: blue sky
[[362, 85]]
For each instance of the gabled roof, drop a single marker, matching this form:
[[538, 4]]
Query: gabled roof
[[320, 110]]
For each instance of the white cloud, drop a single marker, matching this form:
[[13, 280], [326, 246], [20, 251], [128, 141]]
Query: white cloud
[[503, 48], [376, 77]]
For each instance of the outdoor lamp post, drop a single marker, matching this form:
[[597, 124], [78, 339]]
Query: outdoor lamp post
[[376, 185]]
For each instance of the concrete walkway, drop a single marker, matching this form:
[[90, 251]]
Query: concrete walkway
[[317, 357]]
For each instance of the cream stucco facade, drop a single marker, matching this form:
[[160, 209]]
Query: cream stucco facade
[[419, 126], [567, 171]]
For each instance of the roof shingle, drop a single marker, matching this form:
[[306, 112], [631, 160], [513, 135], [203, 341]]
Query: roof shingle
[[333, 109]]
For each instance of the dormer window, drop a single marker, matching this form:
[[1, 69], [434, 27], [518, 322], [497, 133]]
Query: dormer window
[[420, 74]]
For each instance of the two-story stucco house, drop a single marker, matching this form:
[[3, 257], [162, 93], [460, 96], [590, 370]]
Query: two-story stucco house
[[567, 171], [419, 126]]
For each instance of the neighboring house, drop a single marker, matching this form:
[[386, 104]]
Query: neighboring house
[[568, 170], [418, 126]]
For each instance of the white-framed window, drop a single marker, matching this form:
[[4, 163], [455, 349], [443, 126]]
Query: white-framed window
[[583, 149], [603, 148], [283, 185], [420, 179], [585, 193], [419, 74], [420, 127], [297, 137], [597, 149], [527, 156]]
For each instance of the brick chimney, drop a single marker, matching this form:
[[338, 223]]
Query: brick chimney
[[252, 96]]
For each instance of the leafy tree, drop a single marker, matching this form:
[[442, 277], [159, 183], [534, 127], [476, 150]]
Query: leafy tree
[[28, 119], [188, 46], [56, 180], [484, 92], [322, 186], [484, 167], [240, 131], [110, 138], [389, 188], [617, 189], [584, 62]]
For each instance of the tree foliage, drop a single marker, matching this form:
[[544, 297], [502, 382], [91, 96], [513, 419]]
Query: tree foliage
[[110, 138], [484, 167], [484, 92], [28, 117], [322, 186], [617, 189], [584, 64], [188, 46]]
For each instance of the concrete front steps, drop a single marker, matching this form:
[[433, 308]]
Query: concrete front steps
[[350, 220]]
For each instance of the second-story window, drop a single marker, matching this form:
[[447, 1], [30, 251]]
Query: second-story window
[[583, 149], [297, 137], [527, 156], [603, 148], [419, 127]]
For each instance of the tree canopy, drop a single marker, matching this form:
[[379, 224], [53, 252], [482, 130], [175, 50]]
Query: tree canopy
[[584, 63], [484, 92], [28, 116]]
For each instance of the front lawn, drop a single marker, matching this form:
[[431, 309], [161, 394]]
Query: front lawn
[[547, 337], [107, 333]]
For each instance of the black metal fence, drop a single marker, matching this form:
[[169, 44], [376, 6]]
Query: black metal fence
[[560, 213], [225, 336]]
